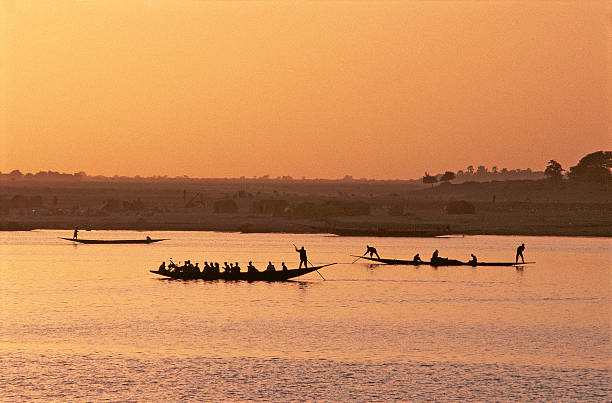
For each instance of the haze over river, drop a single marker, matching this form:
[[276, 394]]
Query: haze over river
[[89, 322]]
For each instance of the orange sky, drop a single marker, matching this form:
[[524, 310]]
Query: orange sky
[[377, 89]]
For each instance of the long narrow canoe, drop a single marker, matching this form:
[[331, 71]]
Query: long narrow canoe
[[114, 241], [279, 275], [438, 262]]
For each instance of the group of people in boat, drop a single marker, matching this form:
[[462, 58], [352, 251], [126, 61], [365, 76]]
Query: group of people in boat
[[436, 258], [214, 268], [189, 268]]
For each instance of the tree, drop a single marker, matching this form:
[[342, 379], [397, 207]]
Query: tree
[[482, 170], [470, 169], [429, 179], [448, 176], [554, 171], [594, 167]]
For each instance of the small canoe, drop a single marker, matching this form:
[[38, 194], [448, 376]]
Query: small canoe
[[438, 262], [114, 241], [278, 275]]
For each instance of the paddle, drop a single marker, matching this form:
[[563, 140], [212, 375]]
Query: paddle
[[356, 259], [310, 263]]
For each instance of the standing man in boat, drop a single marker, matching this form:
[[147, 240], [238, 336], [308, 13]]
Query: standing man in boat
[[303, 258], [519, 252], [372, 251], [76, 233]]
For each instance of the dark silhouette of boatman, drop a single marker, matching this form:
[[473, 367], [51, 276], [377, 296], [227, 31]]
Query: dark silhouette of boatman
[[417, 258], [519, 252], [474, 260], [434, 256], [76, 233], [372, 251], [303, 258]]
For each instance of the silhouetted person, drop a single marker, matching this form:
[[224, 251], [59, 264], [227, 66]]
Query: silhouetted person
[[148, 238], [303, 258], [474, 260], [76, 233], [251, 268], [236, 268], [417, 258], [284, 267], [226, 268], [434, 256], [519, 252], [162, 267], [372, 251], [270, 267]]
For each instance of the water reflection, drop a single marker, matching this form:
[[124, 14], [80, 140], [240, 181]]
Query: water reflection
[[70, 314]]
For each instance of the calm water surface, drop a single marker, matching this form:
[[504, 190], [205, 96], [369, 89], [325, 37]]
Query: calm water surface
[[89, 322]]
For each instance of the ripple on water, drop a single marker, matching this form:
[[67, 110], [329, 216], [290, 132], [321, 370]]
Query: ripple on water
[[199, 378]]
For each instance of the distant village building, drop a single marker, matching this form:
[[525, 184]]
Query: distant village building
[[331, 208], [226, 206], [460, 207], [112, 206], [8, 202], [273, 207]]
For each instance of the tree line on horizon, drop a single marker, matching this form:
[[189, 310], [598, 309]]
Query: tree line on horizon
[[593, 167]]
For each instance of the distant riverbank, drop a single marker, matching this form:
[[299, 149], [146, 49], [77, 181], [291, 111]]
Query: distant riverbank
[[590, 223], [494, 208]]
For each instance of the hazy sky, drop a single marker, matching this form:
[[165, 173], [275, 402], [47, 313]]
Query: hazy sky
[[377, 89]]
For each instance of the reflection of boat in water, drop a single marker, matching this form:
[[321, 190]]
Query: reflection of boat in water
[[438, 262], [114, 241], [279, 275]]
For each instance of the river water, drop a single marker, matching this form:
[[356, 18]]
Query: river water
[[89, 322]]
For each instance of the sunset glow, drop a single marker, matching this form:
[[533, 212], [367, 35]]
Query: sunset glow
[[317, 89]]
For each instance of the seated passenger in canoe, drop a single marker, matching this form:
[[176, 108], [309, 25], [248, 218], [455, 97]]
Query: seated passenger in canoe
[[417, 258], [162, 267], [474, 260], [284, 267], [236, 268], [437, 259], [251, 268], [270, 267]]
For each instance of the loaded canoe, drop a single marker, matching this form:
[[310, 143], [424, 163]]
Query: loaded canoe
[[278, 275], [438, 262], [114, 241]]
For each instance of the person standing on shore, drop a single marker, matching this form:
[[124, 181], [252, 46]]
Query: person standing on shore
[[519, 252], [76, 233]]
